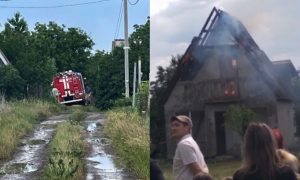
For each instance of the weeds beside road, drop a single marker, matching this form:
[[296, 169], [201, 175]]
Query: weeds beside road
[[130, 140], [17, 119]]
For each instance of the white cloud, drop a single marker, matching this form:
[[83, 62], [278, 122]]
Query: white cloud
[[156, 6], [272, 24]]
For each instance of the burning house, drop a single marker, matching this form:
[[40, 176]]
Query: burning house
[[224, 66]]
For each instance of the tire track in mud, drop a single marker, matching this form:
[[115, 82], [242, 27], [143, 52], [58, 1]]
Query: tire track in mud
[[99, 161], [31, 156]]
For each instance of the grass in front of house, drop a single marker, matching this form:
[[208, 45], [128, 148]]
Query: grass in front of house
[[222, 169], [218, 170], [17, 119], [130, 140]]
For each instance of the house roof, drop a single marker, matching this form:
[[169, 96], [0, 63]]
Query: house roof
[[222, 29], [284, 68]]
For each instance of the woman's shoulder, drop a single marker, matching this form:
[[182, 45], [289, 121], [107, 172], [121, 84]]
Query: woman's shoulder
[[238, 174], [243, 175], [286, 172]]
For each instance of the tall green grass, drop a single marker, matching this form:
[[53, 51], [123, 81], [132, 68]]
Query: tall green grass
[[67, 150], [130, 140], [17, 119], [218, 170], [78, 114]]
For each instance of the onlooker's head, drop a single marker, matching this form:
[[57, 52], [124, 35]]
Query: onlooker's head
[[278, 137], [180, 126], [259, 150], [202, 176]]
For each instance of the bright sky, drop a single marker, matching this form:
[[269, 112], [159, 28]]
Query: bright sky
[[273, 24], [98, 19]]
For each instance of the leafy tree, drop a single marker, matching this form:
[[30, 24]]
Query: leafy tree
[[11, 84], [108, 68], [70, 49], [158, 92], [296, 88], [38, 55], [14, 38], [237, 118], [139, 46], [142, 97], [109, 78]]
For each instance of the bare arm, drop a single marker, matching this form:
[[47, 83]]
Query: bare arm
[[195, 168]]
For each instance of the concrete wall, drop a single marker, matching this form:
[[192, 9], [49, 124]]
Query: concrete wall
[[286, 124]]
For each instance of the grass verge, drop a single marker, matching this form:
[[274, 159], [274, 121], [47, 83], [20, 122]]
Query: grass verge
[[130, 140], [17, 119], [67, 150], [218, 170]]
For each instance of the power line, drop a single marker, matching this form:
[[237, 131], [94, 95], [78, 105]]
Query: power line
[[119, 20], [55, 6], [133, 3]]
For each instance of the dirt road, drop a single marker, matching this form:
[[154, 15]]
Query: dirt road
[[31, 156], [100, 162]]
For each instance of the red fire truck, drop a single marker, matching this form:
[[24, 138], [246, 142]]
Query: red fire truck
[[68, 87]]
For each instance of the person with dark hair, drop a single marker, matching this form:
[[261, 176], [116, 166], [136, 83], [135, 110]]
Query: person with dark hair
[[155, 171], [188, 160], [260, 160]]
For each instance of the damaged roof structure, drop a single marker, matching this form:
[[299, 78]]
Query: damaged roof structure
[[224, 66]]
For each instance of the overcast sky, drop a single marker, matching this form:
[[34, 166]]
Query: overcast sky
[[98, 18], [273, 24]]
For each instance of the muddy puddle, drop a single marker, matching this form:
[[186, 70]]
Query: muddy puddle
[[31, 154], [99, 162]]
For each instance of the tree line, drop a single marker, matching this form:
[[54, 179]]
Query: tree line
[[37, 55]]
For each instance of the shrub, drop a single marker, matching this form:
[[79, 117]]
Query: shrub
[[237, 119]]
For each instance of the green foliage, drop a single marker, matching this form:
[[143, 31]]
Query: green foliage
[[11, 84], [105, 71], [16, 120], [67, 151], [130, 140], [70, 49], [159, 94], [219, 170], [142, 97], [109, 78], [122, 102], [237, 118], [296, 88], [39, 54], [139, 42], [77, 116]]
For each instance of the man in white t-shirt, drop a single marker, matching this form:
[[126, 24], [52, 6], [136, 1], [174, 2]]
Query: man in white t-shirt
[[188, 159]]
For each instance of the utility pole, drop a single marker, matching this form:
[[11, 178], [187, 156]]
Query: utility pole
[[126, 48], [138, 43], [134, 83], [139, 71]]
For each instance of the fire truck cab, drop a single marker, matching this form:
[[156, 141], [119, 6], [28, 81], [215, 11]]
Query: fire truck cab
[[68, 87]]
